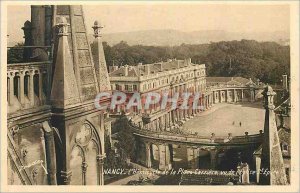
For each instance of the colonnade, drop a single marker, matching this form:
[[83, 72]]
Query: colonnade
[[166, 155], [25, 87]]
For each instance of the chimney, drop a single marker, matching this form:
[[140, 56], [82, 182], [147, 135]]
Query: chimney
[[285, 82], [147, 69], [161, 66], [126, 70]]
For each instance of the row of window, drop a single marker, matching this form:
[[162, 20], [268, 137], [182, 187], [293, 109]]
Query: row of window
[[127, 87]]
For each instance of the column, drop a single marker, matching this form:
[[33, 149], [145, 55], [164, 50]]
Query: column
[[214, 97], [100, 162], [84, 168], [11, 89], [234, 95], [31, 88], [220, 100], [148, 155], [192, 157], [166, 121], [168, 158], [164, 157], [50, 153], [41, 86], [213, 158], [21, 85], [242, 94], [227, 96]]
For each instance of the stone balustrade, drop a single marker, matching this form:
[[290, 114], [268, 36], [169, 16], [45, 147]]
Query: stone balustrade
[[28, 85]]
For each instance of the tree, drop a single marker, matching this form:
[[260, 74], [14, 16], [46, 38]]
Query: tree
[[125, 137]]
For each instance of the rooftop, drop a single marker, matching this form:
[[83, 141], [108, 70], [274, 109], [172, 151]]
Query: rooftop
[[228, 80], [146, 69]]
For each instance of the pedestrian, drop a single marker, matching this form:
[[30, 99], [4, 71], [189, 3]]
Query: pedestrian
[[233, 123], [240, 124]]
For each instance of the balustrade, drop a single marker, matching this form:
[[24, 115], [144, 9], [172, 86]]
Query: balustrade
[[27, 85]]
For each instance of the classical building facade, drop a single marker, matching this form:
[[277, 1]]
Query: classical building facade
[[170, 76], [159, 133], [55, 133]]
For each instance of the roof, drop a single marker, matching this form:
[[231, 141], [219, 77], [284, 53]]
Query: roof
[[132, 72], [135, 71], [228, 80]]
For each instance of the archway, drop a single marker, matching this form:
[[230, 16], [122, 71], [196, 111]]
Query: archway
[[87, 159]]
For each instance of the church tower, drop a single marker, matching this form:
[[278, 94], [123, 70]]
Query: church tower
[[77, 77]]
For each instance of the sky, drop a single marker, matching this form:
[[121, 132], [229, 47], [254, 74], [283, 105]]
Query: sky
[[183, 17]]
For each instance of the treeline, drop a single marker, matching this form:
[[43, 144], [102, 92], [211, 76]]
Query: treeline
[[266, 61]]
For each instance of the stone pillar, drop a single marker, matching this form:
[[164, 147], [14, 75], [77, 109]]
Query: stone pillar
[[242, 94], [41, 86], [50, 153], [21, 85], [168, 158], [213, 158], [84, 169], [234, 95], [100, 162], [164, 157], [193, 157], [11, 89], [48, 25], [31, 88], [257, 167], [166, 121], [252, 95], [148, 155], [227, 96]]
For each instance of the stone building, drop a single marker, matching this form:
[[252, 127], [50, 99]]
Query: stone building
[[172, 75], [55, 133]]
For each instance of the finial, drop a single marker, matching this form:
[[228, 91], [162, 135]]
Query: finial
[[269, 94], [62, 26], [97, 28]]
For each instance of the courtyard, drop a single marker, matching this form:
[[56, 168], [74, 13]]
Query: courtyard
[[223, 118]]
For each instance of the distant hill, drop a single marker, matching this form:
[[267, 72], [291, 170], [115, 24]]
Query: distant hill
[[175, 37]]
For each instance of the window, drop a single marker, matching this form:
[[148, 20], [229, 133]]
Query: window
[[118, 87], [126, 87], [135, 88], [130, 88]]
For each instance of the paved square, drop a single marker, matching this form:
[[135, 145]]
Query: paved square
[[228, 118]]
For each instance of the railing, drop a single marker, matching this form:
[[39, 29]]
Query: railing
[[170, 136], [28, 85], [14, 156]]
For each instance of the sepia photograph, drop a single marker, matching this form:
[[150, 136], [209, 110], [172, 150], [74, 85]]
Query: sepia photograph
[[168, 95]]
